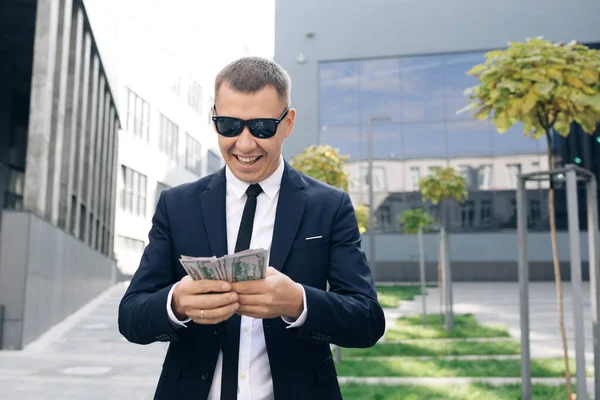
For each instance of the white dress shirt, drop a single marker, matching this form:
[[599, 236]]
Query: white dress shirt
[[254, 371]]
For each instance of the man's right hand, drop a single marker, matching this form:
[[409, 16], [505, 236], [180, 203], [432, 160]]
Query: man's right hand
[[204, 301]]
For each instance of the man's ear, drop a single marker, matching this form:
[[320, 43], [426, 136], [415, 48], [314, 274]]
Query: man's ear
[[289, 122]]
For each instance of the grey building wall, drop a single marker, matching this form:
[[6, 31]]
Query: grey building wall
[[45, 275], [58, 157], [71, 158], [350, 29], [474, 256]]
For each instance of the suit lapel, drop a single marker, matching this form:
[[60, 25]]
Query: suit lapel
[[290, 210], [213, 211]]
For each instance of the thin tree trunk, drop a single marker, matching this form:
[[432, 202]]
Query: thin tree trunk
[[440, 283], [557, 275]]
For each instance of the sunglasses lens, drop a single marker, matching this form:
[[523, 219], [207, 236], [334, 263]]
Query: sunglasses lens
[[228, 126], [263, 128]]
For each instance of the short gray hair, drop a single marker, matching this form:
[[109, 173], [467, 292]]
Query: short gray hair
[[251, 74]]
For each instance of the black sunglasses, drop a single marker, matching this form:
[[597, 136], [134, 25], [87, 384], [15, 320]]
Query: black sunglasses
[[262, 128]]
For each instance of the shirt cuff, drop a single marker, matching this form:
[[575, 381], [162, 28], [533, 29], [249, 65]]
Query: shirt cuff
[[300, 321], [172, 318]]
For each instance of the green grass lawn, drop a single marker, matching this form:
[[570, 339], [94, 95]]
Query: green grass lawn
[[435, 348], [546, 368], [465, 326], [463, 392], [389, 296]]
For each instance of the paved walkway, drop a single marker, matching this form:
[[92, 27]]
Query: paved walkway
[[84, 358]]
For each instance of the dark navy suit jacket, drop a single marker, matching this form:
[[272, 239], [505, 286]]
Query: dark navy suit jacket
[[190, 220]]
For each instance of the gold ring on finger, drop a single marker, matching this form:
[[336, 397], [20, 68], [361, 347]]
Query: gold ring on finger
[[201, 314]]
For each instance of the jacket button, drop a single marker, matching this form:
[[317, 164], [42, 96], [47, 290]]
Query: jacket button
[[204, 376]]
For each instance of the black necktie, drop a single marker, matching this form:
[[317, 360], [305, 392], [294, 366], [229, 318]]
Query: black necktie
[[231, 342]]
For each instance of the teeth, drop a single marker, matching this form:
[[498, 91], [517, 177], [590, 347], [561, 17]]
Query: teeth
[[247, 159]]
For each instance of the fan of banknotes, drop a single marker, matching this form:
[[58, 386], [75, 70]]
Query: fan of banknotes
[[247, 265]]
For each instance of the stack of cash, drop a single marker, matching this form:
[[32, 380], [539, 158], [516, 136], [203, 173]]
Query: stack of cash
[[246, 265]]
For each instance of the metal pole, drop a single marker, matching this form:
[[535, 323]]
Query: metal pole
[[422, 273], [575, 252], [448, 282], [523, 289], [371, 201], [592, 211], [371, 197]]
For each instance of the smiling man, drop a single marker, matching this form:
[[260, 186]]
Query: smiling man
[[268, 338]]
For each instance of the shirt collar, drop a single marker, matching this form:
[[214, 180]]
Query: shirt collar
[[270, 186]]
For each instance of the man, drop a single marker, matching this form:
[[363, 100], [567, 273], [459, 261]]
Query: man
[[267, 338]]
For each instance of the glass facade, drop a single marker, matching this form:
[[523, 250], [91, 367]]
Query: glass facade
[[420, 97]]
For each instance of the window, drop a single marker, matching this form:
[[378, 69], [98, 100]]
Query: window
[[384, 217], [467, 214], [133, 196], [513, 171], [193, 160], [466, 171], [176, 86], [485, 213], [484, 177], [535, 211], [379, 181], [13, 198], [125, 243], [213, 162], [159, 189], [415, 174], [169, 138], [195, 96], [138, 116]]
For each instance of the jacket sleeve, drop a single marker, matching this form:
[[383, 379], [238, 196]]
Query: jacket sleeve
[[349, 314], [143, 315]]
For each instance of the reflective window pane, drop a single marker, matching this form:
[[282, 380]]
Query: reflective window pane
[[339, 98], [423, 140], [514, 142], [346, 139], [380, 89], [469, 138], [387, 141], [422, 86], [457, 80]]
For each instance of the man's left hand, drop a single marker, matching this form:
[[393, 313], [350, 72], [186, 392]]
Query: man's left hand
[[275, 296]]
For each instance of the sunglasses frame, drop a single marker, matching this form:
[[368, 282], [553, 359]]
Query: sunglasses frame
[[247, 122]]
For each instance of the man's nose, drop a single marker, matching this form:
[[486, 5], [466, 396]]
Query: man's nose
[[246, 142]]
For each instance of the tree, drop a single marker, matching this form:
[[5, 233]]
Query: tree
[[442, 184], [412, 220], [325, 164], [546, 86]]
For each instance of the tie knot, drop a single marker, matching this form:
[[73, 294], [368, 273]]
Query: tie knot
[[254, 190]]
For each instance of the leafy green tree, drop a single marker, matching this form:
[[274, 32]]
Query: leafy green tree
[[412, 220], [545, 86], [325, 164], [442, 184]]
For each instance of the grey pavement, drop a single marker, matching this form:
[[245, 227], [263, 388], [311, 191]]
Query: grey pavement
[[84, 357]]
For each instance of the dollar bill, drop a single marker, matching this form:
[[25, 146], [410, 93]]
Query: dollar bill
[[190, 267], [242, 266], [248, 265]]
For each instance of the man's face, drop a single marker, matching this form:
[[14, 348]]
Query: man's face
[[249, 158]]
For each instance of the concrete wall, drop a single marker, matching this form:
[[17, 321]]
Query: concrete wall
[[473, 256], [45, 275], [349, 29]]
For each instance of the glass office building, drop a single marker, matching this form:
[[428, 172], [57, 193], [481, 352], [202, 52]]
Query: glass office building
[[419, 97]]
